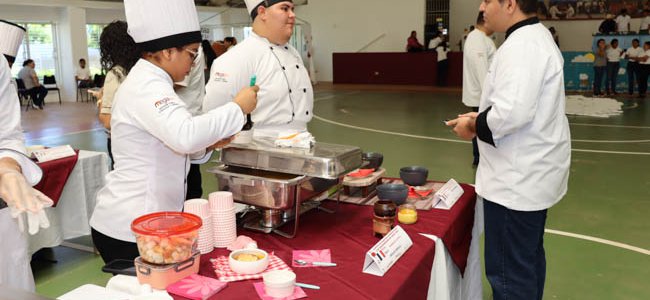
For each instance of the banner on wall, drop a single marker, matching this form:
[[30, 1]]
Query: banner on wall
[[579, 73], [585, 9]]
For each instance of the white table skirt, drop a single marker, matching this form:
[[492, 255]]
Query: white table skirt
[[69, 219], [446, 282]]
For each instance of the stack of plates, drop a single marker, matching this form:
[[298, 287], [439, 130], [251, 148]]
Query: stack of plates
[[201, 208], [224, 225]]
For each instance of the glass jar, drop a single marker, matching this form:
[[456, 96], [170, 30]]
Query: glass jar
[[407, 214]]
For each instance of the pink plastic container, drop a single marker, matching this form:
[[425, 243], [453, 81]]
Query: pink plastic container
[[166, 237], [160, 276]]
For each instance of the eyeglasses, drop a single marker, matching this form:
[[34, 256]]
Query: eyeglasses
[[194, 55]]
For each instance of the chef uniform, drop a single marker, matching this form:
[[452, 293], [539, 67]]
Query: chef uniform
[[525, 148], [477, 56], [14, 259], [285, 99], [152, 130]]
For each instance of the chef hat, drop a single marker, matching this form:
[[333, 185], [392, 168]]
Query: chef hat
[[12, 36], [160, 24], [252, 5]]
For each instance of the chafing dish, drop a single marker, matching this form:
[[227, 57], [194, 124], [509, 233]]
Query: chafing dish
[[283, 182]]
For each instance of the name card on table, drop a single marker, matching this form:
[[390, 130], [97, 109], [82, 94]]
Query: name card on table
[[447, 195], [54, 153], [383, 255]]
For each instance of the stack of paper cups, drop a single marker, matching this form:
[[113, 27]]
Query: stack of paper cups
[[224, 225], [201, 208]]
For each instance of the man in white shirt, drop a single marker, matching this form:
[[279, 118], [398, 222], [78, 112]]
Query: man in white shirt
[[645, 22], [525, 147], [633, 55], [477, 56], [644, 69], [82, 75], [623, 21], [614, 54], [435, 41]]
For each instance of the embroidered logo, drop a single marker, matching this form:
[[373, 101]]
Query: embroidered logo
[[220, 77], [164, 104]]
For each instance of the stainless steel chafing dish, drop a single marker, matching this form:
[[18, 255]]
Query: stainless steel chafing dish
[[281, 182]]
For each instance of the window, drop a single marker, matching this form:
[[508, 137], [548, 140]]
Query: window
[[94, 31], [40, 45]]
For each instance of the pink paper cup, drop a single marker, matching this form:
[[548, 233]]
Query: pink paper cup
[[221, 200]]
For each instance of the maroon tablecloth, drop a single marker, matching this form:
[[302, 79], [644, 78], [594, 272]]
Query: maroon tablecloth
[[55, 175], [348, 233]]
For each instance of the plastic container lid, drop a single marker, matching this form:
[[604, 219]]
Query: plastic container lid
[[166, 223]]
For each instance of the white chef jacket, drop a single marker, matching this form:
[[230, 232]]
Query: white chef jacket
[[152, 134], [285, 100], [614, 54], [527, 168], [645, 22], [193, 86], [14, 262], [477, 56]]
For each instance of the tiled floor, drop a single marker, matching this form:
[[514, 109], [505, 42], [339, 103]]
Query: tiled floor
[[608, 198]]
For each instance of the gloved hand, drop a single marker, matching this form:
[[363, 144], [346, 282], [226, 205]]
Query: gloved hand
[[25, 202]]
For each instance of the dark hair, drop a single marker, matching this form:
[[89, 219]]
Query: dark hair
[[28, 61], [229, 39], [647, 43], [82, 59], [526, 6], [614, 41], [117, 47], [479, 19], [600, 40], [208, 52], [636, 40], [623, 11]]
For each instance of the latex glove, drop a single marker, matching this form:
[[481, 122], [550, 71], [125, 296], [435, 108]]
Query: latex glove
[[25, 202]]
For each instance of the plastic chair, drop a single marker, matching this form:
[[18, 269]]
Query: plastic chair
[[82, 85], [50, 84], [23, 94]]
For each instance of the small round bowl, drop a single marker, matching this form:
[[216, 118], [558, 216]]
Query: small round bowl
[[414, 175], [279, 283], [385, 208], [374, 160], [240, 263], [393, 192]]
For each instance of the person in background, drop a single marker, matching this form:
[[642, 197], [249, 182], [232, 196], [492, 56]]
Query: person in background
[[623, 21], [230, 42], [632, 55], [435, 41], [600, 66], [479, 50], [614, 54], [645, 22], [119, 53], [18, 173], [286, 96], [82, 75], [210, 56], [34, 88], [556, 36], [412, 43], [608, 25], [644, 70], [152, 131], [443, 63], [525, 146]]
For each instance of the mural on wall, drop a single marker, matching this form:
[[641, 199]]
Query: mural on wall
[[587, 9]]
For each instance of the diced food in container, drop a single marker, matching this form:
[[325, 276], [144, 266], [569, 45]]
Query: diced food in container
[[166, 237]]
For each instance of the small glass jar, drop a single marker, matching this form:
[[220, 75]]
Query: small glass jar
[[407, 214]]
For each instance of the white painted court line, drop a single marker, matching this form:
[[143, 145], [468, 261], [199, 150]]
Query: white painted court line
[[598, 240], [612, 126], [612, 142]]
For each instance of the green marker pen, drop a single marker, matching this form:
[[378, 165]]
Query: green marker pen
[[249, 120]]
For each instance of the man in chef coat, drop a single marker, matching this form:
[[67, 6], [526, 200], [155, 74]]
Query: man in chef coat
[[477, 56], [286, 96], [152, 131], [525, 147], [18, 200]]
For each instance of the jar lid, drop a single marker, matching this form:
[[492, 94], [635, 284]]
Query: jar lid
[[166, 223]]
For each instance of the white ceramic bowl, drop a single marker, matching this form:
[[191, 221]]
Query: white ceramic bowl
[[279, 283], [248, 267]]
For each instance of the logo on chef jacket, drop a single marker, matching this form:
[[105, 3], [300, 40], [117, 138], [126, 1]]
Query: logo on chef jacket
[[164, 104], [220, 77]]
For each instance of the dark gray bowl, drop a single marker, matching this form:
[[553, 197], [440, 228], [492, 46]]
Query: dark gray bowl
[[374, 160], [393, 192], [414, 175]]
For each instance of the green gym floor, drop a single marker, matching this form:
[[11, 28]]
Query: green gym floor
[[598, 237]]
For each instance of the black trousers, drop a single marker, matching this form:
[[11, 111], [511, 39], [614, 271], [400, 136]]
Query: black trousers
[[111, 249], [194, 189], [110, 152], [475, 144], [515, 261], [643, 78], [38, 94], [632, 73], [443, 66]]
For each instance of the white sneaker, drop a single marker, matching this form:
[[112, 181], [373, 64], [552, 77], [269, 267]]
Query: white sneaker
[[34, 106]]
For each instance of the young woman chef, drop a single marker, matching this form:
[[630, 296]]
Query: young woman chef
[[17, 173], [151, 129], [286, 97]]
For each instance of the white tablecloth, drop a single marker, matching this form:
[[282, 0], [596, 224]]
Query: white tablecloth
[[69, 219], [446, 282]]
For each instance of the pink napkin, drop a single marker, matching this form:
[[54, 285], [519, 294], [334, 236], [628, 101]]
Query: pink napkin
[[297, 293], [223, 271], [311, 256], [196, 287]]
